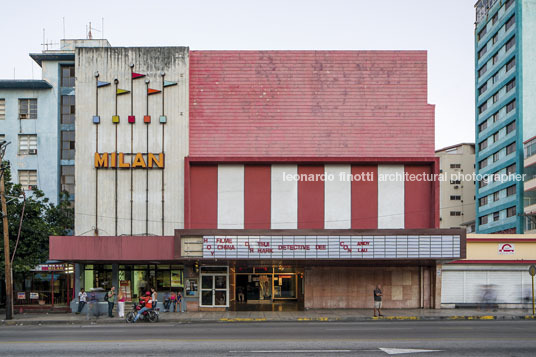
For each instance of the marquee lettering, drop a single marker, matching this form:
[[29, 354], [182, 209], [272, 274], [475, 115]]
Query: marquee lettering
[[122, 160]]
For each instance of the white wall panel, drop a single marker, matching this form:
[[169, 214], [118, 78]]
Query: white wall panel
[[230, 196], [338, 197], [390, 196], [284, 197]]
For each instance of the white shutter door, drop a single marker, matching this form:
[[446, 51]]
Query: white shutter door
[[452, 287], [508, 286], [473, 286]]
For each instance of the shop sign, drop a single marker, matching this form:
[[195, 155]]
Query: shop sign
[[506, 249], [122, 160], [21, 296], [50, 267], [34, 296], [331, 247]]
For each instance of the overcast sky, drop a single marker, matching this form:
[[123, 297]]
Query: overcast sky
[[443, 28]]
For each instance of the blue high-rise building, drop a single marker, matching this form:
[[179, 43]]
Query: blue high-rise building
[[505, 48]]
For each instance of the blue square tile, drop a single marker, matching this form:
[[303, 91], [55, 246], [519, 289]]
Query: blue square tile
[[163, 119], [96, 119]]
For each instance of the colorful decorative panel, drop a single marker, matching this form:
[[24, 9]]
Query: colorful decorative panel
[[169, 83], [122, 91], [115, 119], [152, 91], [163, 119], [96, 119], [102, 84], [131, 119], [137, 75], [147, 119]]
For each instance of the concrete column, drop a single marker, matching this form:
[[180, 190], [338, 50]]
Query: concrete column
[[78, 278], [115, 276], [438, 271]]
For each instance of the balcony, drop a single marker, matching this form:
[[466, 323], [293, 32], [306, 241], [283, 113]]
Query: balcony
[[529, 185], [530, 152]]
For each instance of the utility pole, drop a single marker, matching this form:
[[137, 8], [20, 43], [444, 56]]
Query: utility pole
[[7, 257]]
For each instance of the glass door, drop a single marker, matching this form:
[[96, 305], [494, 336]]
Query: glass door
[[214, 287]]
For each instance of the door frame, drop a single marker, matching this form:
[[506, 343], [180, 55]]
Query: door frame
[[213, 275]]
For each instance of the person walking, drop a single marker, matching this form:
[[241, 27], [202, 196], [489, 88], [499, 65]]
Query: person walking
[[173, 301], [121, 303], [154, 297], [82, 300], [110, 296], [180, 301], [378, 300]]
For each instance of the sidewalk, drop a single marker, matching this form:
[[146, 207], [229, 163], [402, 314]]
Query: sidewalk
[[287, 316]]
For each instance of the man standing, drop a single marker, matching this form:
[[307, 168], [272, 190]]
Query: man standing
[[82, 299], [378, 300], [110, 299]]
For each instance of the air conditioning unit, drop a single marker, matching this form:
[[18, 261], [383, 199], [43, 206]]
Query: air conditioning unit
[[23, 116], [32, 152]]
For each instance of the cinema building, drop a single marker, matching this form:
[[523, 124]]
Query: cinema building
[[276, 180]]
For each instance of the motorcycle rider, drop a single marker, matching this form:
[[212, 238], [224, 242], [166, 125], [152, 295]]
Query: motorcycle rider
[[147, 306]]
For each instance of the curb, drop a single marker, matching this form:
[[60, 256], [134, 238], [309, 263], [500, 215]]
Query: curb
[[298, 319]]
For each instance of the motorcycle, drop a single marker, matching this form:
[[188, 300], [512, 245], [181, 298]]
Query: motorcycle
[[151, 315]]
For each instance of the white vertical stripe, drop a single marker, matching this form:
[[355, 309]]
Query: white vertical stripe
[[284, 203], [230, 196], [337, 197], [390, 196]]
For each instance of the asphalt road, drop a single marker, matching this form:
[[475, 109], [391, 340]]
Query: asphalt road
[[372, 338]]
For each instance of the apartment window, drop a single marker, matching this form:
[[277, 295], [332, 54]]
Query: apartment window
[[510, 106], [510, 22], [494, 78], [67, 109], [483, 220], [511, 42], [483, 201], [510, 148], [510, 85], [28, 179], [67, 76], [28, 144], [510, 64], [483, 51], [510, 212], [496, 137], [483, 163], [455, 166], [508, 4], [495, 216], [482, 70], [483, 145], [483, 183], [483, 108], [28, 108], [510, 127], [496, 157], [495, 38], [495, 117], [483, 88], [510, 170], [455, 198], [67, 145], [511, 190], [67, 179], [482, 32], [495, 58], [495, 196], [2, 109], [494, 18], [455, 213], [496, 98]]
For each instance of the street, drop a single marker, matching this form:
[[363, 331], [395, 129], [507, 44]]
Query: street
[[374, 338]]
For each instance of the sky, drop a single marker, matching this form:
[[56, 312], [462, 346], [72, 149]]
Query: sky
[[444, 28]]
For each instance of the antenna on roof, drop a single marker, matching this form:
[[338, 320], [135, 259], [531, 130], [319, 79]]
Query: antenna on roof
[[89, 33], [63, 18], [46, 43]]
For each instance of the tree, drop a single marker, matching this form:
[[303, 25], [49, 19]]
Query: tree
[[41, 220]]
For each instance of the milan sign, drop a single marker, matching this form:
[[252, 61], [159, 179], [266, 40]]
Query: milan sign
[[331, 247]]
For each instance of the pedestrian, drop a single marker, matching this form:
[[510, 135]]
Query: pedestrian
[[121, 303], [240, 294], [378, 300], [167, 302], [93, 307], [110, 296], [180, 301], [154, 297], [82, 299], [173, 301]]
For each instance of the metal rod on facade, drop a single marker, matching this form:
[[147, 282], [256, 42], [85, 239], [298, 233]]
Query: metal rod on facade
[[147, 152], [96, 151], [116, 82], [163, 126], [131, 146]]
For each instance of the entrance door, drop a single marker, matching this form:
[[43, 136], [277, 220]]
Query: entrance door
[[214, 287]]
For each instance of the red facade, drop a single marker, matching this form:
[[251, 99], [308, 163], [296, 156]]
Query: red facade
[[310, 104]]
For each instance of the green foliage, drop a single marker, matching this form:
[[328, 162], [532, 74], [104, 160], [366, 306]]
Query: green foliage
[[41, 220]]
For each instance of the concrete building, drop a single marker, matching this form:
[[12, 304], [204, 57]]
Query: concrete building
[[505, 46], [457, 194], [282, 175], [496, 271], [38, 116]]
